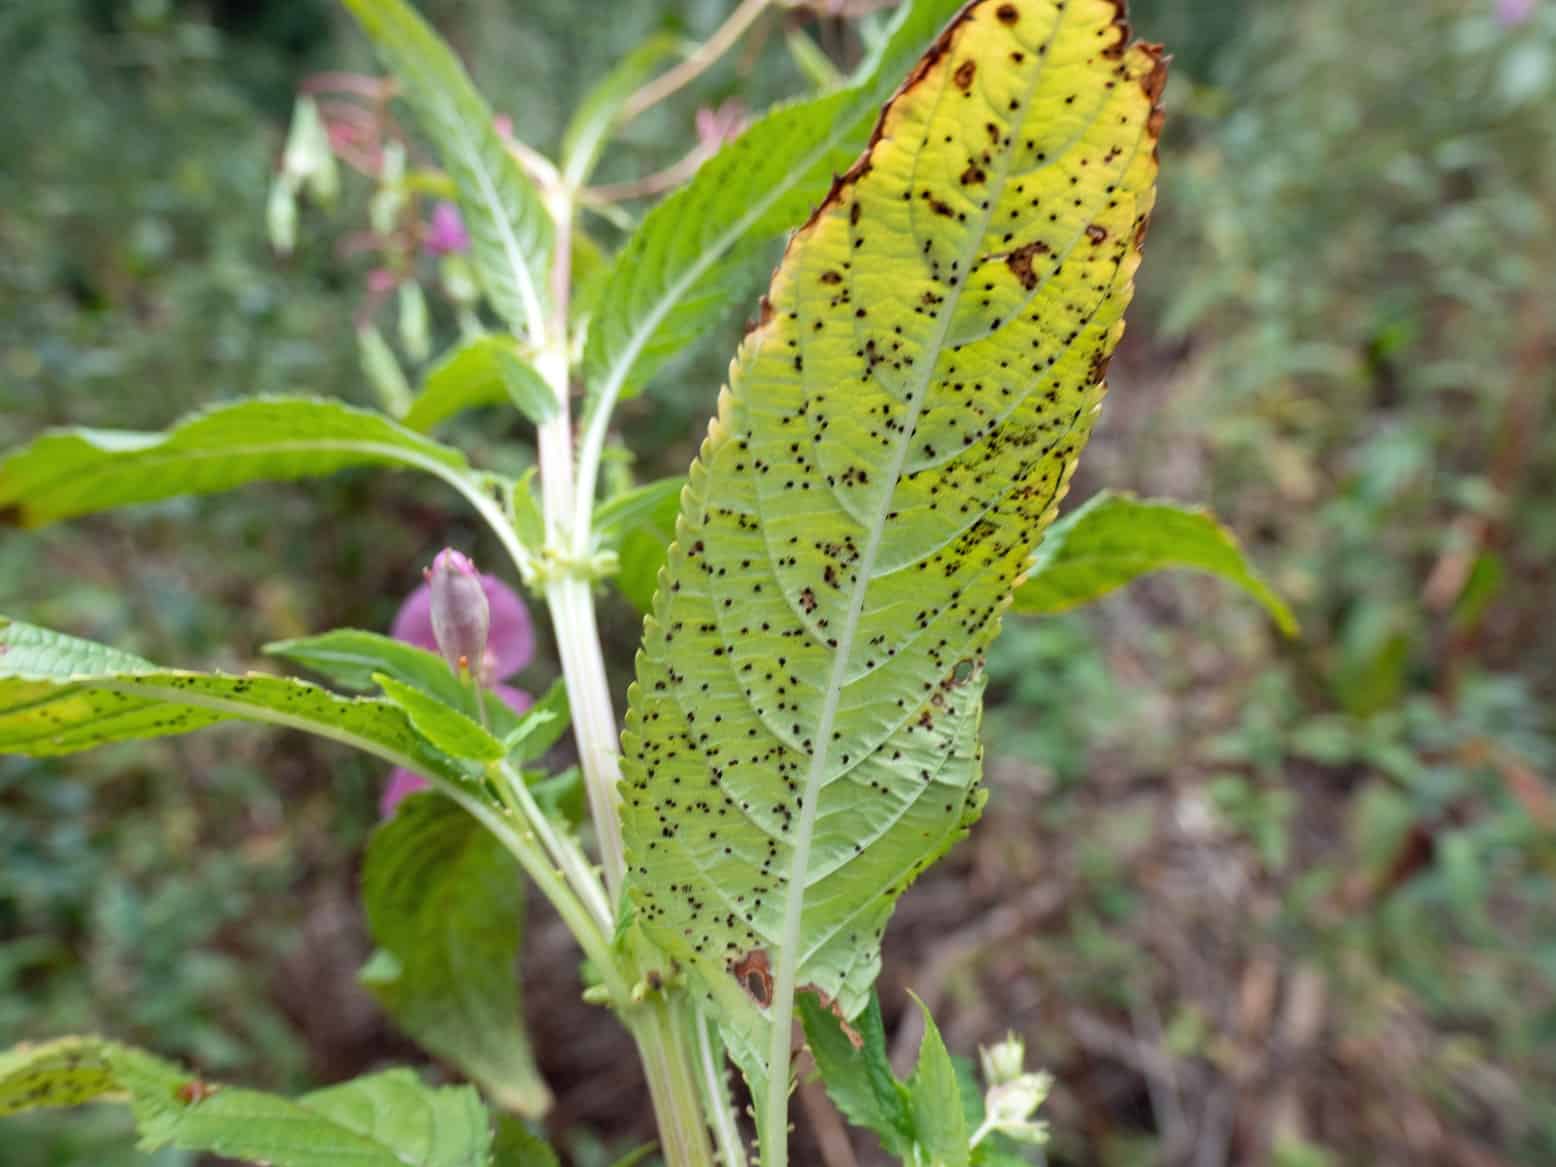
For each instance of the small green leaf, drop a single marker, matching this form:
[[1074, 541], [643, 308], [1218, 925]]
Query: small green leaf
[[71, 472], [484, 370], [935, 1096], [59, 695], [1117, 538], [350, 657], [641, 553], [596, 116], [622, 514], [510, 228], [445, 727], [445, 901], [517, 1146], [859, 1078], [383, 372], [541, 727], [386, 1120]]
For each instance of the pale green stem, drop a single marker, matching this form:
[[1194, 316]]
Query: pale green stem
[[656, 1026], [698, 61], [562, 849], [715, 1092]]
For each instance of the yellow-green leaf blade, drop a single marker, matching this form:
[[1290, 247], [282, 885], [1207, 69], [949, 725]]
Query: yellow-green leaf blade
[[802, 737]]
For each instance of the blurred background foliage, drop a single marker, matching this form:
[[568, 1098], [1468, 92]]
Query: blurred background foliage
[[1252, 901]]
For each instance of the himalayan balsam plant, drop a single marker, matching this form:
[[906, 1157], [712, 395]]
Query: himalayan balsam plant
[[899, 426]]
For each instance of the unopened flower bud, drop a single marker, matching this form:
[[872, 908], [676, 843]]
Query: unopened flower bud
[[1004, 1061], [461, 615]]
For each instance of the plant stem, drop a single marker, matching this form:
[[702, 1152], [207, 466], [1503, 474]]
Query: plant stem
[[715, 1093], [661, 1025], [698, 61]]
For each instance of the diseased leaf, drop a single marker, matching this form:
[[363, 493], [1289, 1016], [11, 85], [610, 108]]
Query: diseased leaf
[[386, 1120], [510, 229], [66, 473], [484, 370], [859, 1078], [1117, 538], [446, 901], [802, 739], [691, 257], [59, 695]]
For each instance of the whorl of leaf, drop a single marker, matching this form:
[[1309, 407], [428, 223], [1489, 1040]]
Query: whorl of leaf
[[802, 738]]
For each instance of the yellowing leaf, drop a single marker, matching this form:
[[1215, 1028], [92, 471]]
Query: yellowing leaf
[[803, 735]]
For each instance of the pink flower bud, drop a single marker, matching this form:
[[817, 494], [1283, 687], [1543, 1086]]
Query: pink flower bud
[[461, 615], [445, 233]]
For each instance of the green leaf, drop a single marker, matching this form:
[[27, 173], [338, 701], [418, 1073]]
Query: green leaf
[[541, 727], [645, 541], [446, 901], [802, 737], [597, 115], [935, 1097], [484, 370], [59, 695], [517, 1146], [350, 657], [619, 516], [690, 259], [859, 1078], [386, 1120], [445, 727], [510, 229], [1116, 538], [66, 473]]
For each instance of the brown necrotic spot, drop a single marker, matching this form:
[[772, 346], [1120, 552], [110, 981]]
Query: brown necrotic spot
[[964, 74], [973, 175], [1019, 262], [831, 277], [1007, 14], [755, 975], [1096, 233]]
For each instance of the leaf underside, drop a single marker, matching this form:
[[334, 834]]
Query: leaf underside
[[802, 738]]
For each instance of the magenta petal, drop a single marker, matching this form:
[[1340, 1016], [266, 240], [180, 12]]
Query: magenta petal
[[402, 784], [511, 642], [413, 622]]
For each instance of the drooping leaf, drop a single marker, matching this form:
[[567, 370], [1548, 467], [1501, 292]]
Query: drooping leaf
[[485, 370], [1117, 538], [690, 259], [936, 1099], [446, 902], [59, 695], [386, 1120], [858, 1077], [350, 657], [66, 473], [802, 739], [510, 229], [597, 114]]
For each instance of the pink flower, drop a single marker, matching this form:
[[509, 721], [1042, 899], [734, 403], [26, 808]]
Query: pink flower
[[717, 126], [510, 644], [1514, 12], [445, 234]]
